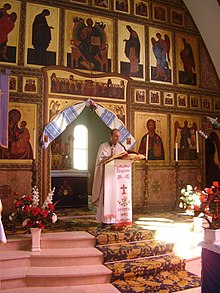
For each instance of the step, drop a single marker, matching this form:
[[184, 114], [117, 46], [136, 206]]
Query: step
[[130, 233], [17, 242], [15, 259], [145, 266], [71, 239], [55, 276], [164, 281], [52, 257], [97, 288], [67, 257], [13, 278], [132, 250]]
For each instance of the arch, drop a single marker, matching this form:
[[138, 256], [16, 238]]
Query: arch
[[59, 123]]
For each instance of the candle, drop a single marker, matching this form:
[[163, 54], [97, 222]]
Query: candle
[[197, 142], [147, 146], [176, 151], [215, 183], [34, 143]]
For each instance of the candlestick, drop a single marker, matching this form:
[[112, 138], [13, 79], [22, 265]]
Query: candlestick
[[34, 143], [176, 157], [147, 146], [197, 142]]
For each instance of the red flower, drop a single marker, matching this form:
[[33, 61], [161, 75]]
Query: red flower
[[27, 197], [27, 209], [196, 208], [51, 206], [17, 204], [30, 223], [35, 211], [203, 198], [44, 213], [208, 190], [41, 225]]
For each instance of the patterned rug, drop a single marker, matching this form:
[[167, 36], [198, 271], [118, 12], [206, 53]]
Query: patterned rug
[[141, 264]]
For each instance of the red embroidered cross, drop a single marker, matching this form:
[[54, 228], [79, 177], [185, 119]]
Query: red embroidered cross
[[123, 188]]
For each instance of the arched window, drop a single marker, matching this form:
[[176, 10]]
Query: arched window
[[80, 147]]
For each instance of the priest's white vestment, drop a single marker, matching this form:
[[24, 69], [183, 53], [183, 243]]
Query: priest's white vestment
[[106, 150]]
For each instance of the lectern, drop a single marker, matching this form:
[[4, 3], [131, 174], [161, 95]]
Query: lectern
[[118, 192]]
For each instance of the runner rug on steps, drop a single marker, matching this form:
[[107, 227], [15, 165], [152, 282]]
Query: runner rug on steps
[[141, 264]]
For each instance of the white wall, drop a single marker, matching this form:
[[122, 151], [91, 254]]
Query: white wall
[[206, 14]]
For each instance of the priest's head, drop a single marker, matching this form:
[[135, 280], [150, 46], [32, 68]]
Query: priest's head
[[114, 136]]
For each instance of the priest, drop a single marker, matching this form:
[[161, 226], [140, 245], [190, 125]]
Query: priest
[[106, 151]]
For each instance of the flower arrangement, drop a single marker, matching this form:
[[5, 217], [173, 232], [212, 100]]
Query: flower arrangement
[[203, 203], [29, 211], [210, 207], [191, 200]]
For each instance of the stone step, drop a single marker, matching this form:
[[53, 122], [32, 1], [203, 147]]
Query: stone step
[[131, 250], [72, 239], [67, 257], [52, 257], [15, 259], [55, 276], [97, 288]]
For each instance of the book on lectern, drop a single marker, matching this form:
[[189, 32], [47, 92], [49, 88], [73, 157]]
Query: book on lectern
[[125, 156]]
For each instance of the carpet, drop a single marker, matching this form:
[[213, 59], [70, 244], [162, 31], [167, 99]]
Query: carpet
[[141, 264]]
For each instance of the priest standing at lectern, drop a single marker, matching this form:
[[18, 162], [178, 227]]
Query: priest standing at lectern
[[105, 152]]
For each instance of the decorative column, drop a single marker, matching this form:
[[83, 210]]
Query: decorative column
[[146, 193], [199, 176]]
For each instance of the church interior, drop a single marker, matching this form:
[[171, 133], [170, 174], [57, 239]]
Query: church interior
[[72, 70]]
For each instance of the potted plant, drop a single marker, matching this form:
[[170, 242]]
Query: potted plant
[[210, 208], [33, 215]]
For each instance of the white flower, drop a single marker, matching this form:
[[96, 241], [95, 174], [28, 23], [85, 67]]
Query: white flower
[[25, 222], [183, 191], [11, 216], [54, 218], [49, 198], [189, 188], [35, 196]]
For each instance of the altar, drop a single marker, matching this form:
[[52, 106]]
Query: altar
[[71, 188], [210, 267]]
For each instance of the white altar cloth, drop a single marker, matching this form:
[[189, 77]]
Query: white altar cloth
[[214, 247]]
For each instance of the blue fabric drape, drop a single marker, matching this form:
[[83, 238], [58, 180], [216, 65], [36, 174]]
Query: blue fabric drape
[[57, 125]]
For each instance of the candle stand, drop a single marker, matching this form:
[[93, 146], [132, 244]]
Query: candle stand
[[177, 199], [34, 173], [146, 193]]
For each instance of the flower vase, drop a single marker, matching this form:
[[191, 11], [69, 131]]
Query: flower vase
[[211, 235], [35, 235]]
